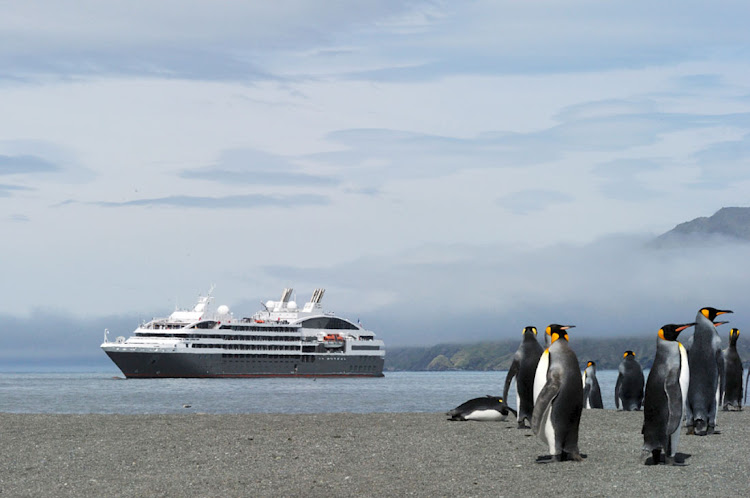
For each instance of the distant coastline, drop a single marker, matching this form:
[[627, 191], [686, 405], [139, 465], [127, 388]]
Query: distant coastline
[[498, 355]]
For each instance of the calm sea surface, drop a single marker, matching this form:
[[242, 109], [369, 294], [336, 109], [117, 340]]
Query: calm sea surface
[[396, 392]]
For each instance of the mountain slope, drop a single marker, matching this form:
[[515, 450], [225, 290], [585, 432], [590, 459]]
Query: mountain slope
[[729, 222]]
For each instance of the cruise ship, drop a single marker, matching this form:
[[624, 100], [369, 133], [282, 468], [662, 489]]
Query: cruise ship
[[281, 340]]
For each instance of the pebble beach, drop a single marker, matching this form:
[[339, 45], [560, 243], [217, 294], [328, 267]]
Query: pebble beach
[[377, 454]]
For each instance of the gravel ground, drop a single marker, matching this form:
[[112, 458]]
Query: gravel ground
[[382, 454]]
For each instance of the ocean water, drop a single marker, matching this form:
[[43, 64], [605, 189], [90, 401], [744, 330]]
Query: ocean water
[[396, 392]]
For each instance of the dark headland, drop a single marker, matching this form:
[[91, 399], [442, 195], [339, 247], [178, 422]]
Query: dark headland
[[382, 454]]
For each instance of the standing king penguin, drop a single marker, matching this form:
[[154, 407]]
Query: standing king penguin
[[666, 392], [706, 373], [732, 396], [523, 369], [630, 382], [592, 395], [557, 410]]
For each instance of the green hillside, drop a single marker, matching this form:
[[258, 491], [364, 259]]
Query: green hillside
[[607, 353]]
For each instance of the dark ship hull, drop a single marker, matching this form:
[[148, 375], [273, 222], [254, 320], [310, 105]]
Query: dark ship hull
[[227, 365]]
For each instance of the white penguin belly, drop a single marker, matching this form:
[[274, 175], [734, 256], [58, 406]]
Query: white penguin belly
[[549, 432], [485, 415], [684, 376], [540, 377]]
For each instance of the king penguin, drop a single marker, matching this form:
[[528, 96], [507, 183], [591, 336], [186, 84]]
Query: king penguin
[[523, 369], [629, 385], [706, 371], [592, 395], [489, 408], [666, 392], [557, 410], [732, 374]]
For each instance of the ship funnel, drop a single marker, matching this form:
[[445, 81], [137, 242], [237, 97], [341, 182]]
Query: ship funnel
[[317, 296], [286, 295]]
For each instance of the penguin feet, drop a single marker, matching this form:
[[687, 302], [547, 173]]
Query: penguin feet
[[678, 460], [712, 430], [700, 427], [654, 459], [690, 430], [543, 459], [574, 457]]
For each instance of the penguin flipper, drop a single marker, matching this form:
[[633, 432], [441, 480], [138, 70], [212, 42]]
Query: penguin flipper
[[512, 372], [544, 401], [587, 394], [618, 386], [674, 401]]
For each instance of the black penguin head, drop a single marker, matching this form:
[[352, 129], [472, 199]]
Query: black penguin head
[[712, 313], [556, 332], [671, 331], [530, 330], [590, 364], [628, 353], [734, 334]]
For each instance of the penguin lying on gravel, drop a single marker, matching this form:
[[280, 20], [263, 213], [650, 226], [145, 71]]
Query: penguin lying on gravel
[[489, 408]]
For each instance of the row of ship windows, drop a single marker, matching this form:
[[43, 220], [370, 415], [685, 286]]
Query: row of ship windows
[[362, 368], [266, 356], [303, 359], [319, 322], [256, 347], [225, 337], [255, 328]]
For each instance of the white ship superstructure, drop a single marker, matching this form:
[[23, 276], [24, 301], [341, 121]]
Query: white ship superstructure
[[280, 340]]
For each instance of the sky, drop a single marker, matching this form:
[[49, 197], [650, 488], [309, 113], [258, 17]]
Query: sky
[[448, 171]]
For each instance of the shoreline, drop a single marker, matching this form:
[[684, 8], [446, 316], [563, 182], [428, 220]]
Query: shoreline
[[345, 454]]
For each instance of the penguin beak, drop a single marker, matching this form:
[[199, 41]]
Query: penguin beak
[[566, 327], [683, 327], [716, 324], [721, 312]]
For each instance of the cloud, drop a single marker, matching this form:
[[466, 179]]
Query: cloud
[[8, 190], [623, 179], [386, 40], [614, 287], [37, 342], [227, 202], [17, 218], [25, 164], [724, 163], [529, 201], [195, 40], [603, 126], [43, 160], [255, 167], [700, 81]]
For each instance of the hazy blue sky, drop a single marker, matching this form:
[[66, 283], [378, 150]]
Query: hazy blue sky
[[447, 170]]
